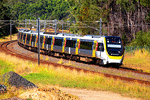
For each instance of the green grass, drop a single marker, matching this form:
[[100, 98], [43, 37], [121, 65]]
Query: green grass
[[5, 67], [94, 82], [46, 75]]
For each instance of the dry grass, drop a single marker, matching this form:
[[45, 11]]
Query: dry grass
[[7, 38], [70, 78], [140, 60]]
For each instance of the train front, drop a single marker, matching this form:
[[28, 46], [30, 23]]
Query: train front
[[114, 50]]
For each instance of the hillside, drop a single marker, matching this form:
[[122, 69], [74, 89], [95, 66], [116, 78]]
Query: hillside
[[122, 18]]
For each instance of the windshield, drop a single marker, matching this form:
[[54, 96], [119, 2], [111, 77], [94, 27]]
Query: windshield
[[114, 46]]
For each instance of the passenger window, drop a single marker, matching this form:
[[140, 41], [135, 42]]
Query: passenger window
[[70, 43], [33, 38], [28, 37], [86, 45], [100, 47], [58, 42], [49, 41]]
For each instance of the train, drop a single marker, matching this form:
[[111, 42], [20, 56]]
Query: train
[[102, 50]]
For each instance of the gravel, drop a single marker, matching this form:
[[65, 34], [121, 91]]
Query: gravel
[[16, 80], [2, 88]]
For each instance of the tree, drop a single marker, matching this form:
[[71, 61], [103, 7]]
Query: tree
[[5, 11]]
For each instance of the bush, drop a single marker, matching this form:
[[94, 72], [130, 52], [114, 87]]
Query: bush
[[142, 39]]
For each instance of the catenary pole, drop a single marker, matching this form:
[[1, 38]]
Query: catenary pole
[[38, 41], [62, 25], [100, 27], [25, 24], [10, 31], [55, 26]]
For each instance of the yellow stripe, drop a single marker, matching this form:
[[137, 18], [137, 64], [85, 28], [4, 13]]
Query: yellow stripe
[[43, 42], [112, 57], [36, 40], [30, 39], [94, 49], [77, 46], [52, 44], [26, 39], [63, 48]]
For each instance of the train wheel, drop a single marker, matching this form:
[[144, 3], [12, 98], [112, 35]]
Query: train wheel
[[94, 60], [76, 58], [61, 55], [52, 53], [100, 62], [49, 53], [68, 56], [45, 52]]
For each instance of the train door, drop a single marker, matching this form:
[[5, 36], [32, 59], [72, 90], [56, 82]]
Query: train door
[[41, 41], [100, 50], [22, 34], [46, 43], [24, 37], [52, 43], [49, 43], [28, 39], [36, 41], [33, 40], [68, 45], [74, 46]]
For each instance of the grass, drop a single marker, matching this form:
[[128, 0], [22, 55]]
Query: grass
[[7, 38], [140, 60], [60, 76]]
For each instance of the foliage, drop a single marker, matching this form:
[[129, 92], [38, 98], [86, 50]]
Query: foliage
[[44, 9], [142, 39], [4, 9], [88, 11], [5, 15], [118, 16]]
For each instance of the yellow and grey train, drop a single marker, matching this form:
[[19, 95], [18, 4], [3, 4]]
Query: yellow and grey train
[[102, 50]]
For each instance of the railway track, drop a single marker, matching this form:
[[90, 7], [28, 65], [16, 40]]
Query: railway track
[[12, 48]]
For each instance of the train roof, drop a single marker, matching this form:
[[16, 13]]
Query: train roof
[[66, 35]]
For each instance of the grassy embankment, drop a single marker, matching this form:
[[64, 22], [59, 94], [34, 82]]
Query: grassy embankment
[[139, 60], [49, 75]]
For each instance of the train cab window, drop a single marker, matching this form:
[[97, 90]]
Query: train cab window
[[58, 42], [86, 45], [28, 37], [70, 43], [48, 40], [100, 47]]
